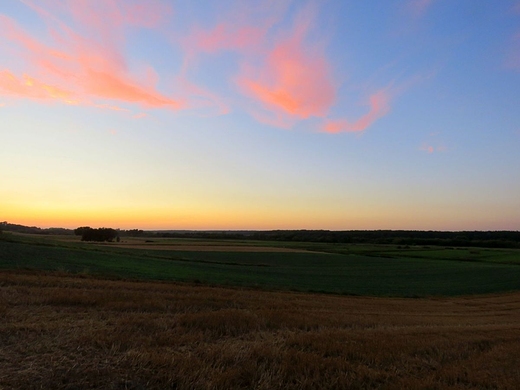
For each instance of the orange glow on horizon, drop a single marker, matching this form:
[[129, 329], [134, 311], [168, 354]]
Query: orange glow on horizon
[[267, 218]]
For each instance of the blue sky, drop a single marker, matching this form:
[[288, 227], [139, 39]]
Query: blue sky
[[261, 115]]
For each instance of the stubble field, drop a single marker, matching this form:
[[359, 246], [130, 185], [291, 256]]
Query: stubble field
[[77, 332]]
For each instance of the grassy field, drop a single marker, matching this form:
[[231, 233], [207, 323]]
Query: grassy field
[[310, 267], [62, 331]]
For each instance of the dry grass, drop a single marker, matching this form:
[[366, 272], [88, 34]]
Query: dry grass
[[64, 332]]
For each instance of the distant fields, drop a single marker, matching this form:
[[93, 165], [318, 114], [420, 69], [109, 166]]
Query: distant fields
[[350, 269]]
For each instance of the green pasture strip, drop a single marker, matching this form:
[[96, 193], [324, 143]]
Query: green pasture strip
[[506, 256], [329, 273], [494, 255]]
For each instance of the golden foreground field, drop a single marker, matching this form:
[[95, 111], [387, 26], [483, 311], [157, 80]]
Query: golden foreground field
[[70, 332]]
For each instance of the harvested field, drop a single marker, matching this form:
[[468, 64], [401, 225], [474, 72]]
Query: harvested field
[[69, 332]]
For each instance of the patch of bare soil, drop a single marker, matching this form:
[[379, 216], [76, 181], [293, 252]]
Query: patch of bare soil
[[64, 332]]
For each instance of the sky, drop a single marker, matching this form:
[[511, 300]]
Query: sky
[[339, 115]]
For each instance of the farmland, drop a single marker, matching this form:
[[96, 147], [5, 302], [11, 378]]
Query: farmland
[[376, 270], [215, 314]]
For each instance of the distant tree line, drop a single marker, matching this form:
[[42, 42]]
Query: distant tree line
[[132, 233], [509, 239], [101, 234], [12, 227], [488, 239]]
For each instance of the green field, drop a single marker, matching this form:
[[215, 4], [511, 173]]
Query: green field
[[330, 268]]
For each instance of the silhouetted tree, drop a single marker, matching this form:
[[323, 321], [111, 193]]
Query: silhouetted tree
[[79, 231], [101, 234]]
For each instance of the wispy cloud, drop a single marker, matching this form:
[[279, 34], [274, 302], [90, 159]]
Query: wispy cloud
[[104, 15], [201, 97], [427, 148], [294, 82], [30, 87], [246, 36], [378, 103], [430, 149], [78, 69], [224, 36], [246, 33], [379, 106], [280, 76], [111, 107], [433, 144]]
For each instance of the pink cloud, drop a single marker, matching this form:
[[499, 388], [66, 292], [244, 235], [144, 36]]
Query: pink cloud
[[433, 145], [104, 20], [109, 84], [245, 36], [30, 87], [295, 79], [379, 106], [111, 107], [427, 148], [270, 118], [140, 115], [284, 74], [430, 149], [103, 14], [250, 23], [223, 36], [379, 103], [81, 69]]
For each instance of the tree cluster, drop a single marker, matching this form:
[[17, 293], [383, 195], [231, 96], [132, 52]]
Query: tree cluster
[[101, 234]]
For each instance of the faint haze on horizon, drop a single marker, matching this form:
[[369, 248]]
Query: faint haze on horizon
[[260, 115]]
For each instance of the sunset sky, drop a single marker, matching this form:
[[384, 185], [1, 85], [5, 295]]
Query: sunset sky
[[346, 114]]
